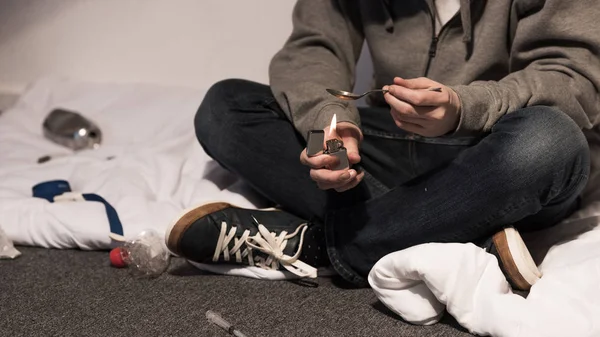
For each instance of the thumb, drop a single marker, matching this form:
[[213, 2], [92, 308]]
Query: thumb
[[351, 145]]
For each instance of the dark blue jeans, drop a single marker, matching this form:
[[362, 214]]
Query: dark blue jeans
[[527, 172]]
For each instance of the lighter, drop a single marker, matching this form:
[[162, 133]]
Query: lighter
[[314, 142], [334, 146]]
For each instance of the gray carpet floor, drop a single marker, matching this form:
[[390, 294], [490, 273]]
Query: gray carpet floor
[[75, 293]]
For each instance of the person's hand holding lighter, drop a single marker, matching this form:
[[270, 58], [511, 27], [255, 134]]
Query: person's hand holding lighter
[[340, 180]]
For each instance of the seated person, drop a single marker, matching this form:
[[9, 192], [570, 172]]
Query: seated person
[[495, 148]]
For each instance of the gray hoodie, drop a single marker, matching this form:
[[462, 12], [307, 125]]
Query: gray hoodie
[[498, 55]]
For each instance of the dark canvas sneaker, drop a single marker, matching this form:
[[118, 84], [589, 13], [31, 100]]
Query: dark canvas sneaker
[[220, 233], [514, 258]]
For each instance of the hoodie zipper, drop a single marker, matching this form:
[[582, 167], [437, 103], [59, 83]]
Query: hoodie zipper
[[431, 54], [435, 39]]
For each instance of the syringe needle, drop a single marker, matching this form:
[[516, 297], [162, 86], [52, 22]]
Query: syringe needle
[[218, 320]]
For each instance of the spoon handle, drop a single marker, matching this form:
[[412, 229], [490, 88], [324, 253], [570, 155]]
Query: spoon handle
[[430, 89]]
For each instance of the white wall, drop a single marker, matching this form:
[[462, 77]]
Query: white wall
[[176, 42]]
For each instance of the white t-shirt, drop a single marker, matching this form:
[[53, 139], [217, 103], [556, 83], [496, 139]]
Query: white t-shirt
[[445, 10]]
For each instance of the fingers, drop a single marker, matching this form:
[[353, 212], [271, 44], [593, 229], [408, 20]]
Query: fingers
[[421, 111], [325, 178], [416, 83], [399, 117], [353, 157], [406, 117], [351, 145], [414, 91], [417, 97], [322, 160], [328, 179], [319, 161], [339, 180], [401, 107], [352, 183]]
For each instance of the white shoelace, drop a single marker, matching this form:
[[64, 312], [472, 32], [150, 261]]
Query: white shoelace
[[266, 242]]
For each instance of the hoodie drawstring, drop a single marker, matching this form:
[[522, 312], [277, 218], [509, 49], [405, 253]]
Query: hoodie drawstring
[[465, 18], [389, 18]]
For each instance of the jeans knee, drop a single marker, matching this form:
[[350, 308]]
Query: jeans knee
[[210, 117], [541, 142]]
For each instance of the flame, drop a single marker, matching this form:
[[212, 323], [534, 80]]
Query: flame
[[332, 126]]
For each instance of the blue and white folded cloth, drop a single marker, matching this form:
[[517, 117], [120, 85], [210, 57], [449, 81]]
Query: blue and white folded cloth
[[60, 191]]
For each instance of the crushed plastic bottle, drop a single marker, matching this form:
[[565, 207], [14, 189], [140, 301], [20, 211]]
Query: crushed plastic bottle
[[7, 249], [145, 256]]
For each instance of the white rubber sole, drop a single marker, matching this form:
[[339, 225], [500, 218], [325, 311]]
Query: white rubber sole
[[522, 257], [255, 272]]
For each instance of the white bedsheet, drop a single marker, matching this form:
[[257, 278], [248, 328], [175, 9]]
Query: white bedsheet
[[423, 282], [158, 167]]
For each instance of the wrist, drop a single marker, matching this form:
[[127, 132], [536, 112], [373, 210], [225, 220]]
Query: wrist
[[456, 107]]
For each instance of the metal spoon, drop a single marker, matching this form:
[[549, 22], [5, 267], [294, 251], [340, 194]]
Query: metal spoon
[[346, 95]]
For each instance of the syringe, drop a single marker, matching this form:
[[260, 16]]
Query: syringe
[[218, 320]]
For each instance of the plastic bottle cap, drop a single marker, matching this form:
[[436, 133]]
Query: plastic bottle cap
[[116, 259]]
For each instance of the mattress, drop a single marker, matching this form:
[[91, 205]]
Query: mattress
[[149, 167]]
